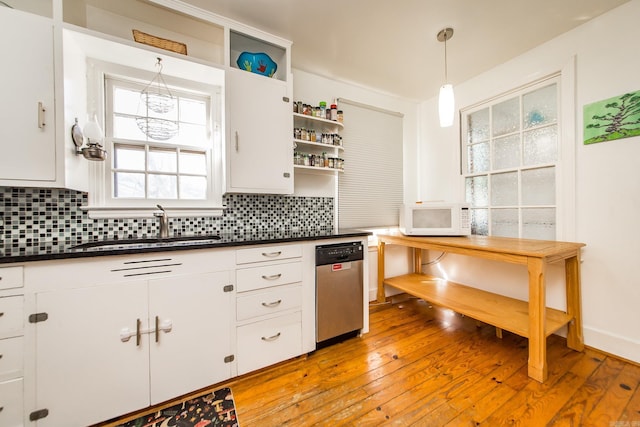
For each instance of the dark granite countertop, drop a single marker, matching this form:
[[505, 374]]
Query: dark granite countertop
[[44, 251]]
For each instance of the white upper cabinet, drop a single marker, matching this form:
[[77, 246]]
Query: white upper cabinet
[[27, 113], [259, 137]]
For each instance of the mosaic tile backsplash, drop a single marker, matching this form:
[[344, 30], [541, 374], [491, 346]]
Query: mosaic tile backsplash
[[36, 215]]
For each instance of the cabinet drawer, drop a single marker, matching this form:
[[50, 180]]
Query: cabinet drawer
[[11, 316], [11, 401], [271, 341], [265, 276], [10, 358], [273, 300], [268, 253], [11, 277]]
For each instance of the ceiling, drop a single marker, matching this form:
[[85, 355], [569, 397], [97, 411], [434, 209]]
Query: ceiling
[[391, 46]]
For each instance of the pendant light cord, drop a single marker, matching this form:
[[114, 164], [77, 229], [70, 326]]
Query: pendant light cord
[[446, 79]]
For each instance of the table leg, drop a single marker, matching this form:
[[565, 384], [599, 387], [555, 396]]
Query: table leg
[[381, 296], [417, 260], [575, 338], [537, 320]]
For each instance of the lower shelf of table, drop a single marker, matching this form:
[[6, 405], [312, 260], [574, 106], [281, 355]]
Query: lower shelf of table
[[502, 312]]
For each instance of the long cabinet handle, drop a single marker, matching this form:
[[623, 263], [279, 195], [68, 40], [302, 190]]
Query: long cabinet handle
[[271, 338], [272, 304], [237, 142], [41, 111], [138, 332], [272, 254], [272, 277], [165, 326]]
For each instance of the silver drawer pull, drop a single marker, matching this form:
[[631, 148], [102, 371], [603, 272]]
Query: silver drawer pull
[[272, 254], [272, 304], [272, 338], [272, 277]]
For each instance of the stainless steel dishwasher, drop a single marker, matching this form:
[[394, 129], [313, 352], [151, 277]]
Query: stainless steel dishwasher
[[339, 290]]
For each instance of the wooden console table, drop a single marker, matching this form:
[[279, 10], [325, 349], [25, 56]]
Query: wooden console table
[[532, 319]]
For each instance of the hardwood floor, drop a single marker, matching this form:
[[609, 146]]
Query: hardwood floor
[[427, 366]]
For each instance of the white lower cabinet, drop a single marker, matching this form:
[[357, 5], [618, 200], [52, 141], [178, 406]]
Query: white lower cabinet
[[113, 348], [11, 400], [110, 335], [11, 347], [269, 305], [269, 341]]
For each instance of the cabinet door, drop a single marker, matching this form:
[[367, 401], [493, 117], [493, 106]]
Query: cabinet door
[[259, 152], [86, 373], [27, 151], [194, 319]]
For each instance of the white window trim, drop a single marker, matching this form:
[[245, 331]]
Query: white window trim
[[102, 206], [565, 164]]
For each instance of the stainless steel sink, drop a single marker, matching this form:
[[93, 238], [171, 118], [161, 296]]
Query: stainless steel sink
[[149, 242]]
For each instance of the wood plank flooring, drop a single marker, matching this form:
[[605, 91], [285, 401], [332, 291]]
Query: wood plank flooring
[[426, 366]]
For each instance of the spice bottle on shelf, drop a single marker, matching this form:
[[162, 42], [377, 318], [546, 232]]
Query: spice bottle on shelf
[[323, 109], [334, 112], [340, 116]]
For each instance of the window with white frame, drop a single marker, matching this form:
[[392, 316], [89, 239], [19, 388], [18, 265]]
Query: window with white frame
[[510, 162], [169, 156]]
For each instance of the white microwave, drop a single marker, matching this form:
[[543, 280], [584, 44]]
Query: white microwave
[[435, 219]]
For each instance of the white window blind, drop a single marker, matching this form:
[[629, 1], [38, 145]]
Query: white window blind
[[370, 189]]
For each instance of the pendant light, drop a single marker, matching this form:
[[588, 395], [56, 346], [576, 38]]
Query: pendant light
[[446, 102]]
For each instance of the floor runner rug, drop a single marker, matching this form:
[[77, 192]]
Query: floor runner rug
[[215, 409]]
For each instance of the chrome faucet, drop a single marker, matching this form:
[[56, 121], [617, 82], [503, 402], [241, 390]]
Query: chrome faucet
[[164, 222]]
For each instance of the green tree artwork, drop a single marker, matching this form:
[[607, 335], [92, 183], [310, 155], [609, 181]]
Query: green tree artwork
[[613, 118]]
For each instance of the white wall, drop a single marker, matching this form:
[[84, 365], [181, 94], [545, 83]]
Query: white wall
[[603, 207]]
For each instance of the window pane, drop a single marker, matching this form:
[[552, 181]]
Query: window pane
[[193, 163], [504, 222], [128, 185], [504, 189], [193, 187], [541, 145], [539, 223], [162, 160], [478, 158], [480, 222], [126, 128], [506, 152], [478, 126], [192, 135], [506, 117], [128, 157], [540, 106], [163, 186], [539, 186], [193, 111], [126, 101], [477, 190]]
